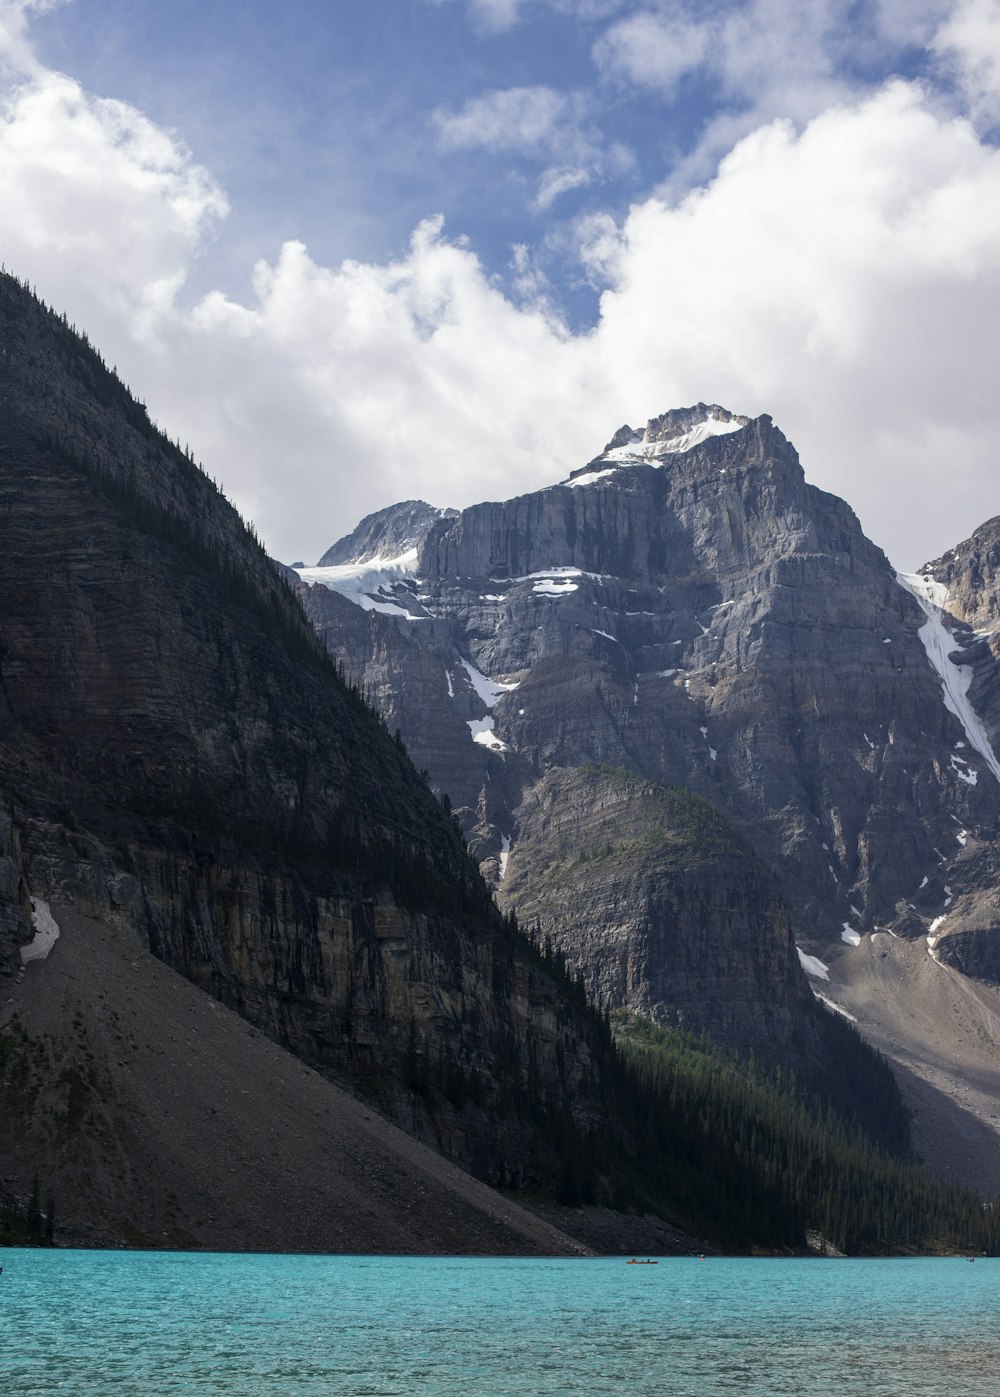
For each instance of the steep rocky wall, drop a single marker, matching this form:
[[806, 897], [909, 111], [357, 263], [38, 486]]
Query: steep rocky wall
[[367, 991], [708, 620], [971, 573], [725, 627], [407, 682], [385, 534], [660, 907], [15, 909], [182, 758], [970, 576]]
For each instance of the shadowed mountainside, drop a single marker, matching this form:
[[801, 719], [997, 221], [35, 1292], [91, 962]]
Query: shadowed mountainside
[[179, 758]]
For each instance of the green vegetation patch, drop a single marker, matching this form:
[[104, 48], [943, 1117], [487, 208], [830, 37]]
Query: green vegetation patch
[[752, 1157], [668, 820]]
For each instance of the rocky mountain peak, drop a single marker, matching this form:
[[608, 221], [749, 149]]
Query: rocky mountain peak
[[673, 432], [385, 535], [970, 573]]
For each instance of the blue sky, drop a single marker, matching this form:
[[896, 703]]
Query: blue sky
[[345, 124], [338, 123], [353, 253]]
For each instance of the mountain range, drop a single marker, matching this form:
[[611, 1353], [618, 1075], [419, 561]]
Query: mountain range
[[697, 728], [265, 986]]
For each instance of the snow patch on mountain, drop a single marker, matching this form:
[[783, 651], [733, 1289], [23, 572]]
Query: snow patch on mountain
[[368, 585], [549, 575], [940, 644], [46, 932], [835, 1007], [812, 965], [588, 478], [482, 732], [489, 690], [551, 588], [645, 452]]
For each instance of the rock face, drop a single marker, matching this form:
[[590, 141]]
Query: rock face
[[649, 891], [961, 595], [388, 533], [15, 910], [687, 611], [971, 573], [155, 1117], [178, 757]]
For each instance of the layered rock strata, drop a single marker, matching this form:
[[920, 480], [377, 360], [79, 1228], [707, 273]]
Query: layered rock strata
[[685, 608], [182, 760]]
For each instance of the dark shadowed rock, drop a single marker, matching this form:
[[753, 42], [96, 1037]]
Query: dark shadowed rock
[[180, 759]]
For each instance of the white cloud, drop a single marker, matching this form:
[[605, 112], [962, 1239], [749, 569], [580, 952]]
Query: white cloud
[[969, 45], [767, 57], [844, 278], [343, 386], [846, 281], [782, 58], [497, 15], [16, 53], [532, 120], [909, 22], [542, 125], [111, 206], [761, 59], [558, 181], [652, 50]]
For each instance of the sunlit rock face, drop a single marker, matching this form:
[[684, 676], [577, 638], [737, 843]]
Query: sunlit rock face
[[962, 588], [685, 610]]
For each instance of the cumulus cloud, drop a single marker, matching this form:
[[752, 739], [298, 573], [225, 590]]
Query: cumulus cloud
[[844, 280], [781, 58], [968, 44], [112, 207], [16, 52], [844, 277], [760, 59]]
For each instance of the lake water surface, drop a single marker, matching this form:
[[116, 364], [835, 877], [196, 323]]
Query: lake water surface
[[117, 1323]]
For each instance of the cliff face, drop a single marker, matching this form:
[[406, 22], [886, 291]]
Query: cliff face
[[388, 533], [650, 893], [181, 759], [15, 909], [961, 592], [155, 1117], [686, 609], [971, 573]]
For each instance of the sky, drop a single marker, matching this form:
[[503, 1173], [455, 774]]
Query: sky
[[442, 249]]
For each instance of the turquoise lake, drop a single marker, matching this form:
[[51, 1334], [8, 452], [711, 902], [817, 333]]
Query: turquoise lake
[[144, 1323]]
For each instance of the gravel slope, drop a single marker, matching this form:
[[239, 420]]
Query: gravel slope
[[941, 1032], [156, 1117]]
